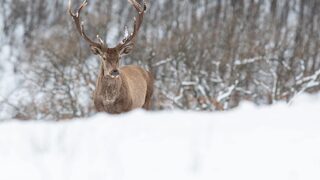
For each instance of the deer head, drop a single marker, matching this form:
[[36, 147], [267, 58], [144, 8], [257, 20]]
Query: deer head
[[110, 56]]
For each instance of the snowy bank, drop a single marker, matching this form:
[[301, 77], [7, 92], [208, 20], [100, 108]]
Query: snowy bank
[[278, 142]]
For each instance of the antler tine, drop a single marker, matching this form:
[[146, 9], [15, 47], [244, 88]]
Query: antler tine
[[137, 5], [136, 25], [80, 26]]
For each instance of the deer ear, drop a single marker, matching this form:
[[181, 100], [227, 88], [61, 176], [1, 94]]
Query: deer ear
[[96, 50], [126, 50]]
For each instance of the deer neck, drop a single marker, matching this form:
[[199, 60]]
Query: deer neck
[[108, 89], [111, 89]]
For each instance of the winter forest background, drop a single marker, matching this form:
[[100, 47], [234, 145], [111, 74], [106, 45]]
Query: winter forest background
[[204, 54]]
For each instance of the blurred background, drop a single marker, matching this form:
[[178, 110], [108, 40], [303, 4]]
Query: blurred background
[[206, 55]]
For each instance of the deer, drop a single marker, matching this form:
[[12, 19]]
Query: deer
[[118, 89]]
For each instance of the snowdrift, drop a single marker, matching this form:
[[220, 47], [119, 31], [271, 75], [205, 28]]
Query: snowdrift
[[278, 142]]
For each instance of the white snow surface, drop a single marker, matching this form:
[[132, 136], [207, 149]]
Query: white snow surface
[[279, 142]]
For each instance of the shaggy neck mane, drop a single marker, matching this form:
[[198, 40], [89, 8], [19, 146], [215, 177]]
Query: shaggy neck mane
[[110, 89]]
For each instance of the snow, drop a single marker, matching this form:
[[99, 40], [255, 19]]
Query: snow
[[7, 75], [9, 81], [276, 142]]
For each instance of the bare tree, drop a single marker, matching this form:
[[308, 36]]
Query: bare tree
[[205, 55]]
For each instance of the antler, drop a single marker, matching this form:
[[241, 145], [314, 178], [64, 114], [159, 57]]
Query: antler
[[129, 41], [80, 26]]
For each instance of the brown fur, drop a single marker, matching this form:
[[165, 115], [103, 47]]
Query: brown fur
[[133, 89]]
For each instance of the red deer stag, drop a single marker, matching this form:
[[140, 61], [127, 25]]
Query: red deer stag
[[118, 89]]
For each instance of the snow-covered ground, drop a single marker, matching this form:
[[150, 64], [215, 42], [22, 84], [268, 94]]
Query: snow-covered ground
[[272, 143]]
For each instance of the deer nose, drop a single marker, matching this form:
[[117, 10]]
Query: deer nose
[[115, 73]]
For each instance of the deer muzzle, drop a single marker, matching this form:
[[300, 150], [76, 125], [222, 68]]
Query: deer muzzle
[[115, 73]]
